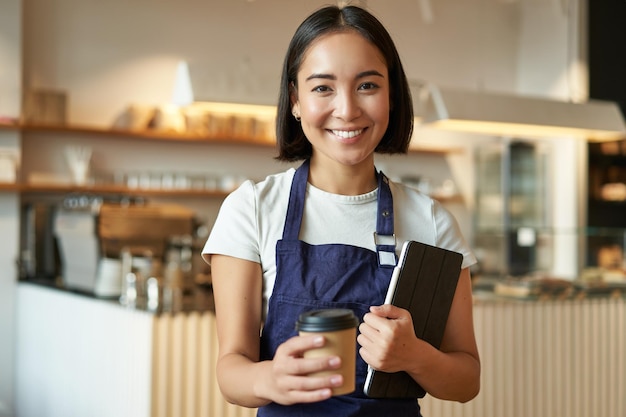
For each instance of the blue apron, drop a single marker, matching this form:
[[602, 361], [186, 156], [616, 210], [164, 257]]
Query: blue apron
[[310, 277]]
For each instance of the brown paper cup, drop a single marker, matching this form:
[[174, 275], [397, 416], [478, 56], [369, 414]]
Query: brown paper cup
[[338, 326]]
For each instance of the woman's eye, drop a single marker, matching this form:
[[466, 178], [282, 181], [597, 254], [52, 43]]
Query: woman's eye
[[368, 86], [321, 89]]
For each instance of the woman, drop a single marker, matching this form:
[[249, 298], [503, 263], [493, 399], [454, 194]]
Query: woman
[[304, 239]]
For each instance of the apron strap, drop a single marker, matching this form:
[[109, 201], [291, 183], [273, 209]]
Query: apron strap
[[295, 209], [384, 237]]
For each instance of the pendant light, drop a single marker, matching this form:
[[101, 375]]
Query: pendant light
[[517, 116]]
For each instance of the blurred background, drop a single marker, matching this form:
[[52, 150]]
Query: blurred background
[[123, 125]]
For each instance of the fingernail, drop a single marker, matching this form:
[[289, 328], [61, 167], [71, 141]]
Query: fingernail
[[318, 341], [336, 380], [334, 361]]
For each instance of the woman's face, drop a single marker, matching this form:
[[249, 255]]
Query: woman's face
[[342, 98]]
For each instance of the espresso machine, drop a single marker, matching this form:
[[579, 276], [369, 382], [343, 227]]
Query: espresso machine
[[92, 238]]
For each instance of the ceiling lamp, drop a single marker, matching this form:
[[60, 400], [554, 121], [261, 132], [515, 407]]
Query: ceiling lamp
[[518, 116]]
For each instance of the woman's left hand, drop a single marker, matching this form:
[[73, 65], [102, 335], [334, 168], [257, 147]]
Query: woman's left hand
[[387, 338], [452, 372]]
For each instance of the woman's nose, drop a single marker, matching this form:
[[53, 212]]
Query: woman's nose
[[347, 106]]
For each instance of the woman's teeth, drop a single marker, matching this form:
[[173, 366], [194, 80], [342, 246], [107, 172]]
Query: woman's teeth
[[346, 134]]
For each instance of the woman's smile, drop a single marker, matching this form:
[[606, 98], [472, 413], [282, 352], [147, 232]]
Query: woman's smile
[[346, 135]]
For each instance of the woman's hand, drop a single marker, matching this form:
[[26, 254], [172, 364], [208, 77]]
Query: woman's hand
[[387, 338], [243, 378], [290, 382], [452, 372]]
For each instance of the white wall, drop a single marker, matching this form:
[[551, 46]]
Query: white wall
[[10, 88], [107, 54], [10, 57], [552, 34]]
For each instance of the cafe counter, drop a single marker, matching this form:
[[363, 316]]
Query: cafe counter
[[81, 356]]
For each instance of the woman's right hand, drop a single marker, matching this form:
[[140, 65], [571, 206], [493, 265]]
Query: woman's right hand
[[244, 379], [290, 380]]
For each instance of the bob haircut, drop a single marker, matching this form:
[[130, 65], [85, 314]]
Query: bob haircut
[[292, 143]]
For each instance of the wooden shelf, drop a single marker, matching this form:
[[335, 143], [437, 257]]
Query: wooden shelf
[[142, 134], [152, 135], [113, 189], [107, 189], [173, 136], [4, 125], [10, 187], [42, 189]]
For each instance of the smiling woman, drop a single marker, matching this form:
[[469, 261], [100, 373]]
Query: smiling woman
[[302, 239]]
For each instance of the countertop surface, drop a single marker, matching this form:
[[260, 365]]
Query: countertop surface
[[200, 299], [486, 290], [541, 289]]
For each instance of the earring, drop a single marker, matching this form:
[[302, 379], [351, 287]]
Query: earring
[[296, 116]]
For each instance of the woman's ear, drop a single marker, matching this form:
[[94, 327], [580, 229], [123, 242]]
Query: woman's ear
[[293, 98], [293, 95]]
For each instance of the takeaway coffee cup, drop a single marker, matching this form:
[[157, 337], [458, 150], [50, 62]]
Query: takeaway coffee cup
[[338, 326]]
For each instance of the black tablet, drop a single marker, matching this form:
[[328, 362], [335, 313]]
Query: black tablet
[[423, 282]]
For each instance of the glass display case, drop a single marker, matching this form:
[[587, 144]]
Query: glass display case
[[601, 251], [600, 254], [520, 248], [512, 199]]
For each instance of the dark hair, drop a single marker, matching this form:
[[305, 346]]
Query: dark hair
[[292, 143]]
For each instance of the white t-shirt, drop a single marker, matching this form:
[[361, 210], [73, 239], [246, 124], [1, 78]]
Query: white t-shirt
[[251, 221]]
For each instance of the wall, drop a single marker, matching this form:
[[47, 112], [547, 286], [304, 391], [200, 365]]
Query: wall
[[10, 87], [10, 57], [550, 33], [235, 48]]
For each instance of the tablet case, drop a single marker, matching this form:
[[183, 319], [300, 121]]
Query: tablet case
[[423, 282]]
